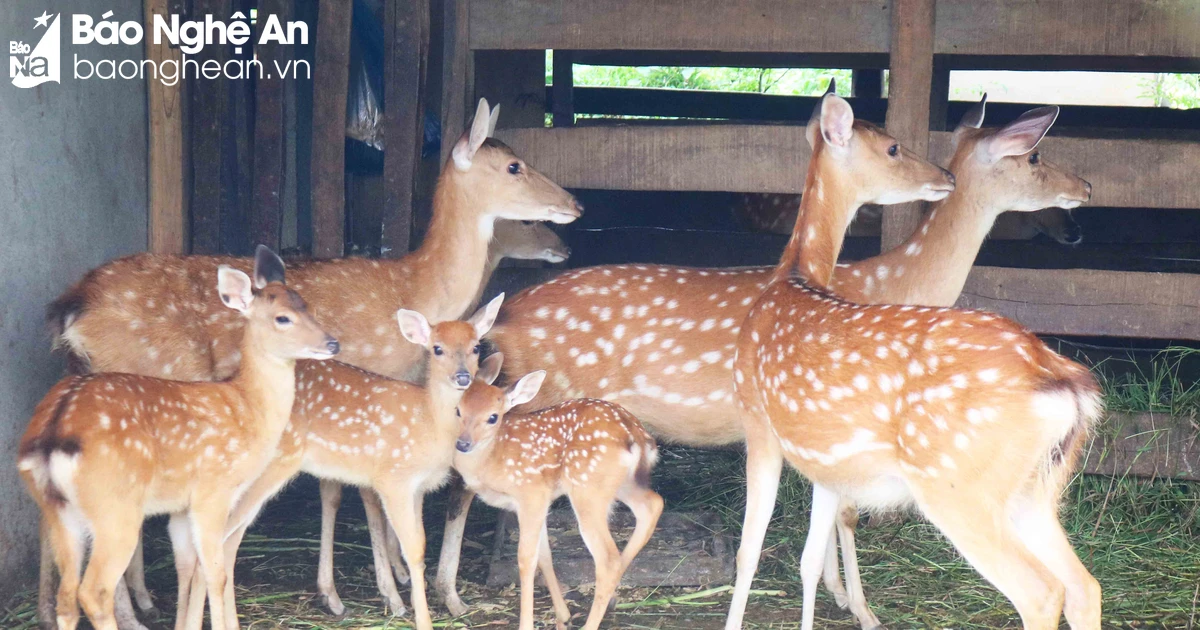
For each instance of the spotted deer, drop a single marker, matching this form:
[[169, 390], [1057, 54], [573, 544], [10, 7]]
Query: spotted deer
[[660, 340], [103, 451], [966, 416], [154, 315], [391, 438], [592, 451]]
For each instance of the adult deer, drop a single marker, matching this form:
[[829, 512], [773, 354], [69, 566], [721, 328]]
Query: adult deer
[[104, 451], [660, 340], [153, 315], [392, 438], [965, 415], [592, 451]]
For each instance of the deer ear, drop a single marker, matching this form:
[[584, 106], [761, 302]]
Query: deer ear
[[814, 120], [414, 327], [837, 121], [489, 368], [1021, 135], [469, 143], [524, 390], [235, 288], [268, 267], [483, 319], [492, 120]]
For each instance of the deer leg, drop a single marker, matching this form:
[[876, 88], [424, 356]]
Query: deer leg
[[65, 539], [394, 557], [764, 464], [208, 531], [381, 532], [1039, 527], [456, 523], [184, 551], [135, 578], [331, 498], [404, 508], [232, 542], [114, 537], [831, 578], [820, 528], [45, 606], [562, 614], [646, 506], [123, 607], [592, 514], [531, 517], [846, 523], [988, 541]]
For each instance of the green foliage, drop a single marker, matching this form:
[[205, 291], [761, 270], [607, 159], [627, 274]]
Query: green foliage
[[1180, 91]]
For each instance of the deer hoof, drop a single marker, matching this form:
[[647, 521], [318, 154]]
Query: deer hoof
[[334, 605]]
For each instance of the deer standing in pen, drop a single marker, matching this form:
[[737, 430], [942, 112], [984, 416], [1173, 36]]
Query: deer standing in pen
[[965, 415], [660, 340], [592, 451], [351, 426], [104, 451], [153, 315]]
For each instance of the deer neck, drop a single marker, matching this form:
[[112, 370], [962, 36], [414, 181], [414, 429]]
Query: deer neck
[[944, 247], [827, 205], [267, 382], [443, 399], [453, 258]]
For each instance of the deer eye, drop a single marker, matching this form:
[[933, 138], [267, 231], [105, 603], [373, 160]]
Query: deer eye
[[514, 168], [437, 350], [457, 412], [493, 418], [283, 319], [894, 150], [1034, 158]]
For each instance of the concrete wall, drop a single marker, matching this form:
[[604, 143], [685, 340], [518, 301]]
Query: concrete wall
[[72, 195]]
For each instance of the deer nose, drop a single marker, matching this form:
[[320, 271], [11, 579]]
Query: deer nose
[[462, 378], [578, 206], [333, 345], [1087, 187], [463, 445], [949, 176]]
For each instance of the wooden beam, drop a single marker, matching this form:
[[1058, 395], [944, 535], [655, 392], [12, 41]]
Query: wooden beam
[[910, 76], [1123, 173], [330, 82], [457, 73], [167, 202], [1090, 302], [1135, 28], [563, 89], [751, 26], [266, 211], [209, 104], [703, 157], [1152, 445], [406, 29], [709, 104]]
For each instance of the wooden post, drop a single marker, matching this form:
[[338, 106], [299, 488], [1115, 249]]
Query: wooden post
[[209, 104], [168, 210], [330, 82], [563, 89], [266, 211], [911, 74], [457, 73], [406, 33]]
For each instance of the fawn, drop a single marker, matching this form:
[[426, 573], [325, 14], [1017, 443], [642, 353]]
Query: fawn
[[103, 451], [965, 415], [592, 451], [393, 437], [660, 340]]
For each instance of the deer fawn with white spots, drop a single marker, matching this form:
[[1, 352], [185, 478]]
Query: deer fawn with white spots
[[351, 426], [965, 415], [104, 451], [592, 451], [660, 340], [154, 315]]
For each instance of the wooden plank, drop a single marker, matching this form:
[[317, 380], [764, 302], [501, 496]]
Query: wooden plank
[[406, 28], [726, 59], [330, 82], [515, 80], [266, 212], [709, 104], [1090, 302], [1165, 28], [563, 89], [237, 180], [1153, 445], [702, 157], [168, 208], [1123, 173], [751, 26], [910, 77], [456, 74], [209, 104]]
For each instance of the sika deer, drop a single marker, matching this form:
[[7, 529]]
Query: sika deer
[[680, 325], [966, 415], [385, 436], [103, 451], [592, 451]]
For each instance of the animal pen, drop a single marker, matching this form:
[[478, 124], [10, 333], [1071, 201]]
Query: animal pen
[[232, 164]]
